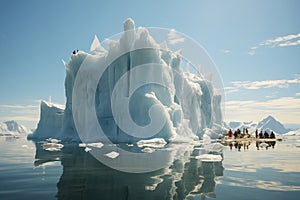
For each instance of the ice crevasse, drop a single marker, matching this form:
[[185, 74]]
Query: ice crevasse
[[134, 89]]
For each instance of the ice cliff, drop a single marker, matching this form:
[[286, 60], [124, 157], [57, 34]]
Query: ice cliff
[[184, 104], [51, 121]]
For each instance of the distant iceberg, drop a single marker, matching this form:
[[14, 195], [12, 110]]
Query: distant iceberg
[[186, 106]]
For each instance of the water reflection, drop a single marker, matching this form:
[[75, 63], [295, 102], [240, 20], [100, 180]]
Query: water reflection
[[84, 177], [245, 144]]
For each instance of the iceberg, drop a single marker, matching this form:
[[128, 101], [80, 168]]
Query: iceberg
[[132, 89], [51, 121]]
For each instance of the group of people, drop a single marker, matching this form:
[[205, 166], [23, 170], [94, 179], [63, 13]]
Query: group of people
[[266, 135], [245, 134], [238, 133]]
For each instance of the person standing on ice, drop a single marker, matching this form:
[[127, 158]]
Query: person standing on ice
[[266, 134], [235, 134], [261, 134], [272, 135], [229, 133], [238, 133], [256, 133]]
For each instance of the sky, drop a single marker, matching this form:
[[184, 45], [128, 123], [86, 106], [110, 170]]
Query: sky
[[254, 43]]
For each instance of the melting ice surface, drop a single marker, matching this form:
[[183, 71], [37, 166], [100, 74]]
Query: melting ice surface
[[134, 89]]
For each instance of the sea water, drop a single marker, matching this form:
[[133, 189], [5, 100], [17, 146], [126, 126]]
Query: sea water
[[27, 171]]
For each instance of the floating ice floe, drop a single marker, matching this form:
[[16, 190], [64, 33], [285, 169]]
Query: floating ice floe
[[53, 149], [87, 149], [112, 154], [82, 145], [209, 158], [214, 147], [148, 150], [96, 144], [53, 140], [155, 143], [52, 146]]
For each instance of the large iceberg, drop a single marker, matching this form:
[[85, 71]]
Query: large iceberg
[[141, 92]]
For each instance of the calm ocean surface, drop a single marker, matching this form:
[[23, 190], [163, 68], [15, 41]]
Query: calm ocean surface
[[29, 172]]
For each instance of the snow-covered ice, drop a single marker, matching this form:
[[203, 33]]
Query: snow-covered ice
[[112, 154], [82, 145], [209, 158], [155, 143], [52, 146]]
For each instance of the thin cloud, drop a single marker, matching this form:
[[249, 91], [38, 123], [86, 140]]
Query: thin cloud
[[229, 90], [286, 109], [20, 118], [174, 38], [289, 43], [283, 41], [225, 51], [284, 83], [18, 106], [252, 50], [27, 114], [251, 53]]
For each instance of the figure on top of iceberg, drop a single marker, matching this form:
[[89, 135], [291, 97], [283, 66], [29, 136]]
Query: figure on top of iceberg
[[131, 88]]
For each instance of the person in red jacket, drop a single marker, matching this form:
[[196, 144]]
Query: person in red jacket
[[229, 133]]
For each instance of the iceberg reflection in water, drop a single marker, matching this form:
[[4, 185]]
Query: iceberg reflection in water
[[84, 177]]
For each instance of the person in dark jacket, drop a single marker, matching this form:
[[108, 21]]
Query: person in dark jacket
[[272, 135], [235, 134], [266, 134], [261, 134]]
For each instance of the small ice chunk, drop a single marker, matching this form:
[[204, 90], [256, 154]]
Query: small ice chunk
[[214, 147], [112, 154], [87, 149], [82, 145], [24, 146], [155, 143], [148, 150], [53, 149], [53, 140], [150, 187], [96, 144], [52, 145], [130, 145], [209, 158]]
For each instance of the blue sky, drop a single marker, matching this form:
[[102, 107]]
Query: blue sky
[[254, 43]]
